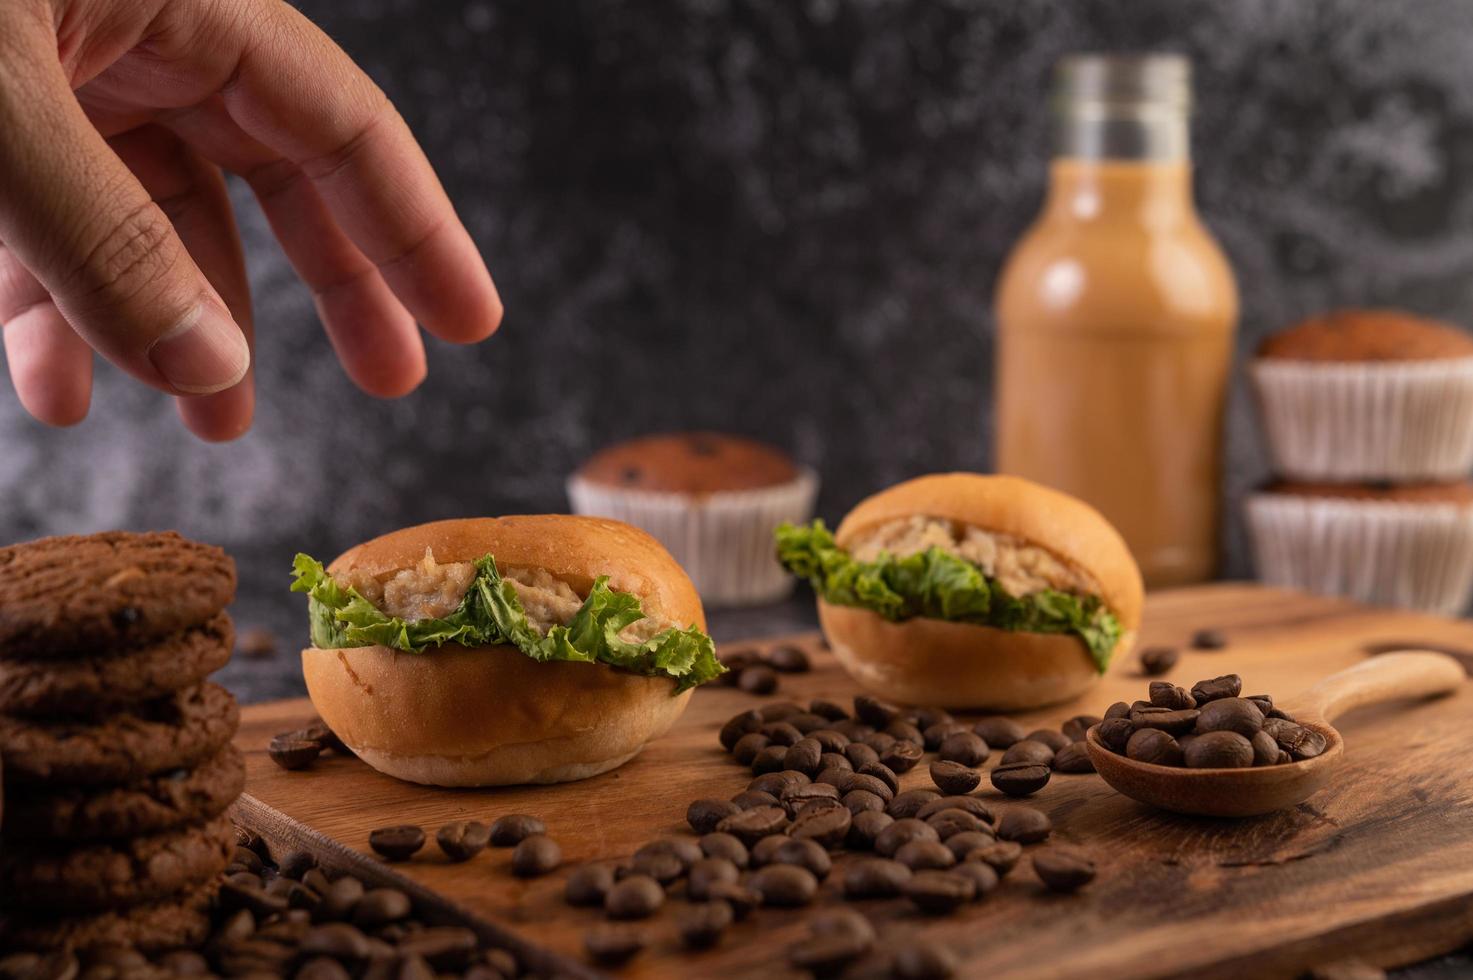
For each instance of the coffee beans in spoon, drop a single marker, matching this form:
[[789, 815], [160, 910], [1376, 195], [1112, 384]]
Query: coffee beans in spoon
[[1210, 726]]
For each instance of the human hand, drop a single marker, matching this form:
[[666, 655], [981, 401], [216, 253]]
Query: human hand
[[117, 118]]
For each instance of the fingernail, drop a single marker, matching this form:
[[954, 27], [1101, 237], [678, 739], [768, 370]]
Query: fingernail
[[203, 353]]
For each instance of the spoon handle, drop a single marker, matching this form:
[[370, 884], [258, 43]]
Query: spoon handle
[[1387, 677]]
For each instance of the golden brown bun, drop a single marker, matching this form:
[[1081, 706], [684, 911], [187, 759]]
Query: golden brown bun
[[955, 665], [690, 462], [575, 550], [1368, 335], [1056, 522], [492, 716], [486, 717], [1460, 493]]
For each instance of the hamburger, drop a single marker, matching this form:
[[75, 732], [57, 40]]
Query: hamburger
[[969, 591], [494, 651]]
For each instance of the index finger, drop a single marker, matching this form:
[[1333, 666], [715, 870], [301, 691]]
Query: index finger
[[297, 92]]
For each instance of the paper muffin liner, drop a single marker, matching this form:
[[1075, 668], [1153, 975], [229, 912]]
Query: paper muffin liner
[[723, 540], [1417, 556], [1354, 422]]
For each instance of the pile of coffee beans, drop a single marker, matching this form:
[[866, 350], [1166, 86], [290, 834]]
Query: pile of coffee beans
[[756, 670], [1209, 726], [534, 853], [300, 748]]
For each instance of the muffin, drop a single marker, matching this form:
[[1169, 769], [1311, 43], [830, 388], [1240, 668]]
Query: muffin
[[1409, 545], [1364, 395], [713, 499]]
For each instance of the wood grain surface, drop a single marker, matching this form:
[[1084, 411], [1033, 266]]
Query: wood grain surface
[[1378, 865]]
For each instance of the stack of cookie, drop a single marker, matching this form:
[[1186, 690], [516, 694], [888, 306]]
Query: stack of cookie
[[117, 761]]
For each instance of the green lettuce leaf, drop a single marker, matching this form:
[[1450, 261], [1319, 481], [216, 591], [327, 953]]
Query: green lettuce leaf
[[491, 614], [938, 585]]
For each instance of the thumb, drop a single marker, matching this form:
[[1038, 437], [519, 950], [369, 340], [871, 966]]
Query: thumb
[[76, 217]]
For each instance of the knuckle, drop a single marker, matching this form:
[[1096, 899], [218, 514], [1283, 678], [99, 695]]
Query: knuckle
[[137, 251]]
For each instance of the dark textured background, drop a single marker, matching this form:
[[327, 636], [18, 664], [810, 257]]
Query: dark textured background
[[776, 217]]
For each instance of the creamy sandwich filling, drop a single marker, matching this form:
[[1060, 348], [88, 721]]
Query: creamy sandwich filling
[[929, 567], [431, 603]]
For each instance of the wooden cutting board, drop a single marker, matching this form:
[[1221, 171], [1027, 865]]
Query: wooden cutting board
[[1379, 866]]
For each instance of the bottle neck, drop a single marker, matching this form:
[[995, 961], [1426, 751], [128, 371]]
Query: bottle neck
[[1157, 193]]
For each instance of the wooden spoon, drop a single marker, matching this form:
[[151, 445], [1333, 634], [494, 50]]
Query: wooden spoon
[[1263, 789]]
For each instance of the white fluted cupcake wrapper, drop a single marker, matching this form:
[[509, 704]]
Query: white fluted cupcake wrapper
[[723, 540], [1353, 422], [1417, 556]]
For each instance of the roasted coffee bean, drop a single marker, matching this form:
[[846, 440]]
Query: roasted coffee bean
[[883, 773], [766, 849], [758, 679], [589, 884], [903, 731], [803, 756], [788, 659], [1156, 661], [535, 855], [380, 906], [293, 753], [1230, 715], [610, 945], [1023, 779], [773, 758], [683, 849], [939, 892], [909, 803], [804, 853], [1299, 741], [1226, 686], [463, 839], [740, 658], [999, 732], [873, 711], [340, 899], [796, 797], [902, 756], [702, 925], [984, 878], [1027, 751], [831, 710], [924, 962], [1265, 702], [860, 755], [1115, 733], [778, 782], [1117, 710], [1077, 727], [831, 740], [512, 829], [949, 823], [970, 804], [750, 826], [704, 815], [737, 726], [184, 963], [835, 763], [902, 832], [725, 846], [1154, 746], [865, 827], [919, 855], [880, 742], [707, 872], [1024, 825], [1073, 759], [747, 747], [664, 868], [782, 733], [1265, 750], [397, 843], [964, 843], [1165, 694], [836, 938], [1053, 739], [966, 748], [954, 778], [834, 776], [1218, 750], [807, 723], [443, 947], [1001, 856], [336, 939], [750, 799], [780, 710], [858, 801], [875, 878], [317, 880], [741, 898], [321, 968], [1168, 721], [1063, 869], [853, 729], [828, 827], [636, 897], [1209, 639], [936, 734], [863, 782], [784, 885]]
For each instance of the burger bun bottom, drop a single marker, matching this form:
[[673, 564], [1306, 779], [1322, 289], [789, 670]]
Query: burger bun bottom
[[488, 716]]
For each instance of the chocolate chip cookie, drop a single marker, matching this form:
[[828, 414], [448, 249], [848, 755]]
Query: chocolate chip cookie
[[177, 732], [161, 802], [85, 683], [170, 924], [59, 596], [98, 876]]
